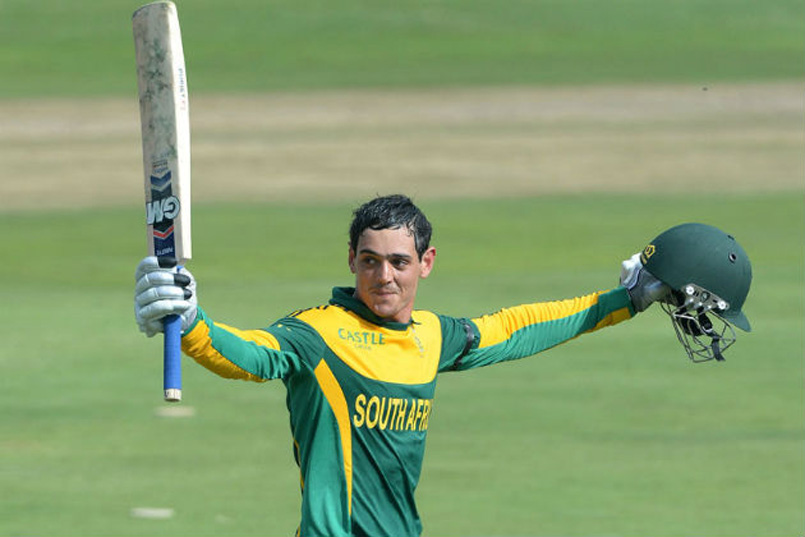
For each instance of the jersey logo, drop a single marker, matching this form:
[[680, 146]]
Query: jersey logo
[[362, 339]]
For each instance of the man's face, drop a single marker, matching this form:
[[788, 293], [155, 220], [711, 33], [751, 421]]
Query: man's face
[[387, 271]]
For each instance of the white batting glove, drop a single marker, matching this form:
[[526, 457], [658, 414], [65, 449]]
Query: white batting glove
[[162, 289], [643, 287]]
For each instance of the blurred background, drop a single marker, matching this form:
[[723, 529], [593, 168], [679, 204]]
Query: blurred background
[[546, 140]]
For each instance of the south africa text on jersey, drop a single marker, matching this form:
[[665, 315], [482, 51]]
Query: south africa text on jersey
[[391, 413]]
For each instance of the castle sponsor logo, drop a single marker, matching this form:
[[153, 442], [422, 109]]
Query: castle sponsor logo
[[391, 413], [361, 339]]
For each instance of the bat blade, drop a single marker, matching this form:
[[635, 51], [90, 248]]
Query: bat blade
[[165, 121]]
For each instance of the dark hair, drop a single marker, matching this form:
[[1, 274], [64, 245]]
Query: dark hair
[[391, 212]]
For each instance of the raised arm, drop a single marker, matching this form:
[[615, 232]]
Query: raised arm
[[524, 330], [520, 331], [255, 355]]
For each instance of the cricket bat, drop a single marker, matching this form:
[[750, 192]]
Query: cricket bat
[[165, 121]]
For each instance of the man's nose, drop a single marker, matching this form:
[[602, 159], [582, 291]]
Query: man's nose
[[384, 272]]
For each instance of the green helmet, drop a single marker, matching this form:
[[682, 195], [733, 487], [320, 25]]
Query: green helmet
[[709, 272]]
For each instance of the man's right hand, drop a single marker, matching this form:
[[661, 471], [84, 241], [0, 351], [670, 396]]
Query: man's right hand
[[162, 289]]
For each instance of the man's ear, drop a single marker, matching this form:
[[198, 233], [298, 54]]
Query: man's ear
[[351, 260], [428, 258]]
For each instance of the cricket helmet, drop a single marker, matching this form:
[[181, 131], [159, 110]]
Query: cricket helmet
[[710, 275]]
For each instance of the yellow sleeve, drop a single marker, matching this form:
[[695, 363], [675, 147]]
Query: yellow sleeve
[[524, 330]]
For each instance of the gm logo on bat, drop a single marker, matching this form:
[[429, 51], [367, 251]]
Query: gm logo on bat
[[162, 209]]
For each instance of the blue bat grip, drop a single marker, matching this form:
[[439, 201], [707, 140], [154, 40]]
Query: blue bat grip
[[172, 379]]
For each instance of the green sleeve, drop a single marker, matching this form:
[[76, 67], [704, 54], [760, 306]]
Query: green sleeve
[[255, 355], [521, 331]]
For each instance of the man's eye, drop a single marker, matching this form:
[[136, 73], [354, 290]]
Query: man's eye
[[399, 263]]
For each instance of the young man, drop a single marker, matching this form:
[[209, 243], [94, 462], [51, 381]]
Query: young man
[[361, 370]]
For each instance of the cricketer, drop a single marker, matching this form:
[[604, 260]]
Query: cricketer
[[360, 371]]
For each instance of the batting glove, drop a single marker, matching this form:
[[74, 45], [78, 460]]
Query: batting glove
[[643, 287], [163, 289]]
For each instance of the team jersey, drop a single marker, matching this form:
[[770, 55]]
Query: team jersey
[[360, 390]]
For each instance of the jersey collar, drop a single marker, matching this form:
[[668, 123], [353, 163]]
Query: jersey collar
[[345, 297]]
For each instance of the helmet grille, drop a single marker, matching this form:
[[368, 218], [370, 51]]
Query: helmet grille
[[703, 333]]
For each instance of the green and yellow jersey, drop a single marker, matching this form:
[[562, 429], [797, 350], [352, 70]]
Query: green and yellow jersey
[[360, 390]]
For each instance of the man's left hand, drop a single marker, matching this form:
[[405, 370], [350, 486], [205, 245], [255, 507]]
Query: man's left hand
[[643, 287]]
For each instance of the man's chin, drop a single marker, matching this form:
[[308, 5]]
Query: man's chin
[[384, 311]]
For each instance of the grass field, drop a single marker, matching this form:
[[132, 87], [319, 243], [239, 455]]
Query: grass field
[[49, 48], [546, 140]]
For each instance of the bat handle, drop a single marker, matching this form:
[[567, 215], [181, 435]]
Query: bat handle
[[172, 358]]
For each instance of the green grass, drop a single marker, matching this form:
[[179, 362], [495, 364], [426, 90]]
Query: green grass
[[613, 434], [54, 48]]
